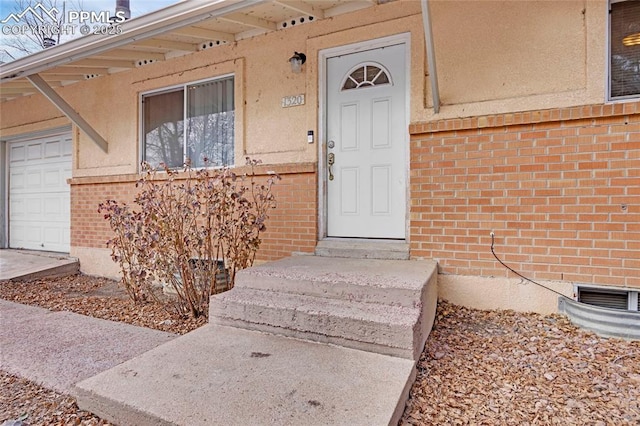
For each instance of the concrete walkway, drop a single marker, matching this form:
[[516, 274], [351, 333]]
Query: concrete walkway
[[58, 349], [213, 375], [26, 265], [218, 375]]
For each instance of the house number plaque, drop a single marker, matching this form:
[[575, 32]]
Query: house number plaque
[[291, 101]]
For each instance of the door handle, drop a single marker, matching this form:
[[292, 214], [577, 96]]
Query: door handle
[[331, 158]]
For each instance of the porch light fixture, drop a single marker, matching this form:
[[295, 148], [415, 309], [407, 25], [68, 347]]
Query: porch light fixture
[[296, 62]]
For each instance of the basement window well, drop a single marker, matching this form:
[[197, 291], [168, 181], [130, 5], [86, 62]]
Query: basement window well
[[607, 311], [625, 300]]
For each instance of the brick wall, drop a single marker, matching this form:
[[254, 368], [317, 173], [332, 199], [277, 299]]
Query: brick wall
[[560, 188], [291, 227]]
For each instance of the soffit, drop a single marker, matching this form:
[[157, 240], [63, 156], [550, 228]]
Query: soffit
[[177, 30]]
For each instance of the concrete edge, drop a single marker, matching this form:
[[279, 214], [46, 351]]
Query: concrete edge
[[404, 397], [111, 410], [71, 268], [340, 290], [377, 348], [427, 318]]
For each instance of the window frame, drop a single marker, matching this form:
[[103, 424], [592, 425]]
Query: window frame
[[608, 73], [185, 106], [384, 69]]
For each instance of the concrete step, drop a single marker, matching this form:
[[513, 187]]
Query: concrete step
[[255, 373], [382, 306], [384, 329], [356, 248], [389, 282]]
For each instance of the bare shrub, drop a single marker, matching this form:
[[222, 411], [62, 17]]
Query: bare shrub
[[195, 229]]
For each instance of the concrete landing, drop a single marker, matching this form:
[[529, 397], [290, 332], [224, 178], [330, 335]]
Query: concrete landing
[[229, 376], [27, 265], [357, 248], [57, 349]]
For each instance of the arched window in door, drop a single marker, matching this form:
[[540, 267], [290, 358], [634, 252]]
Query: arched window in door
[[366, 75]]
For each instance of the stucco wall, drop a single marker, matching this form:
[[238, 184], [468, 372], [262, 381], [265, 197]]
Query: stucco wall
[[492, 56], [503, 56]]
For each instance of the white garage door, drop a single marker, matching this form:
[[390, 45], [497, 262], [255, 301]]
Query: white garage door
[[39, 214]]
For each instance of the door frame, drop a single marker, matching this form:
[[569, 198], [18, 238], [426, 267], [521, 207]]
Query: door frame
[[323, 56]]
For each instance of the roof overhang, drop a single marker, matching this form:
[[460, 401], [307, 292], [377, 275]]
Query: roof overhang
[[176, 30]]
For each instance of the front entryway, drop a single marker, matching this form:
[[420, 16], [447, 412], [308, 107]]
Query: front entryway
[[367, 143]]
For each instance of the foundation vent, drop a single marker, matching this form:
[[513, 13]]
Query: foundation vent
[[212, 43], [604, 298], [296, 21], [143, 62]]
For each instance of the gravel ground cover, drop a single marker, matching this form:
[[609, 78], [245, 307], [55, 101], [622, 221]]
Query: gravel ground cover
[[507, 368], [478, 367], [97, 297]]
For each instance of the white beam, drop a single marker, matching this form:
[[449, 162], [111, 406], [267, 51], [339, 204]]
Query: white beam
[[303, 8], [205, 34], [24, 85], [17, 90], [134, 55], [67, 110], [71, 70], [63, 77], [250, 21], [431, 55], [105, 63], [157, 43]]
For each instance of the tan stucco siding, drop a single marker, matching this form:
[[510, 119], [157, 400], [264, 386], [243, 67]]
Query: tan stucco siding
[[505, 56], [492, 57]]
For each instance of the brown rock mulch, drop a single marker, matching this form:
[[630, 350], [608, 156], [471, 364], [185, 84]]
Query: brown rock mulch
[[96, 297], [507, 368], [86, 295], [478, 367], [26, 403]]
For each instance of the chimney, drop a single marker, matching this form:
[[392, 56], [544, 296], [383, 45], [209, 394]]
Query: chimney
[[122, 6]]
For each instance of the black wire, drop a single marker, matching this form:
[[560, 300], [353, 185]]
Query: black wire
[[517, 273]]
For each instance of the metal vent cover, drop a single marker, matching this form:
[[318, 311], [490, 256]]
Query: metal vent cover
[[604, 298]]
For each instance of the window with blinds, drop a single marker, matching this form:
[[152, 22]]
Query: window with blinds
[[624, 49], [193, 123]]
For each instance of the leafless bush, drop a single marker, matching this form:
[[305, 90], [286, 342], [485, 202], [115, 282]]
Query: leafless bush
[[195, 229]]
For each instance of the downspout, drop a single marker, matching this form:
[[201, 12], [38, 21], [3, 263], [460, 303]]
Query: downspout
[[431, 56]]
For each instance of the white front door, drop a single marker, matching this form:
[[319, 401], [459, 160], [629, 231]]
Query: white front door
[[367, 143]]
